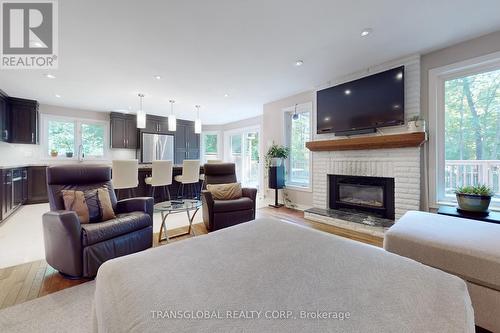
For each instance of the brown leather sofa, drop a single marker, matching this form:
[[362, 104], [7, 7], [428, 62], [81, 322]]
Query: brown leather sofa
[[77, 250], [219, 214]]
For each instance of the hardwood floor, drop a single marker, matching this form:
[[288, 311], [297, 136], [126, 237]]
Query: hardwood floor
[[24, 282]]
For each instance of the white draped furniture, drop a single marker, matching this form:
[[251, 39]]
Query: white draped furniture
[[467, 248], [270, 266]]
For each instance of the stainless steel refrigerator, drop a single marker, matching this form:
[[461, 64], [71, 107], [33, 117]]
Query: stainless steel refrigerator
[[157, 147]]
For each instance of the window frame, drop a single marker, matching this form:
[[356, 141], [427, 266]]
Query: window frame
[[219, 142], [437, 79], [45, 118], [287, 113]]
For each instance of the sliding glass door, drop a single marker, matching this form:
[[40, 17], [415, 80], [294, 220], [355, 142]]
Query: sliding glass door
[[243, 150]]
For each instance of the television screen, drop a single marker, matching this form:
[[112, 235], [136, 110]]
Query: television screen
[[370, 102]]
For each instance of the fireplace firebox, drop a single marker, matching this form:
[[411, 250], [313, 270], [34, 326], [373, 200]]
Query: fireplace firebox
[[374, 195]]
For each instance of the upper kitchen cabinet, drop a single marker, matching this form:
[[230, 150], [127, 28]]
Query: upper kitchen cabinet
[[186, 142], [123, 131], [23, 121], [156, 124], [4, 117]]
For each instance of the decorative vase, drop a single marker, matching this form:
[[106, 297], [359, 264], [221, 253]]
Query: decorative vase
[[416, 126], [69, 154], [276, 161], [473, 203]]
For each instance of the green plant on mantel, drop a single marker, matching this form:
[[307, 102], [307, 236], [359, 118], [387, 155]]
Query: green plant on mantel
[[276, 151], [481, 190]]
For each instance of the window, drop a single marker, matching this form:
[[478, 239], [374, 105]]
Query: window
[[66, 135], [61, 136], [298, 132], [464, 128], [242, 149], [472, 131], [210, 146]]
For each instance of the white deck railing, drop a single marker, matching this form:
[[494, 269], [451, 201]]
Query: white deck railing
[[462, 172]]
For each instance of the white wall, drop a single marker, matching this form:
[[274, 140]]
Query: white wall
[[15, 154]]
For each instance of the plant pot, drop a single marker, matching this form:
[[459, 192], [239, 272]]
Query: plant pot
[[416, 126], [276, 161], [69, 154], [473, 203], [53, 153]]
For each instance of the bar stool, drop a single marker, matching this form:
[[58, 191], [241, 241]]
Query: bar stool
[[190, 176], [125, 176], [161, 176]]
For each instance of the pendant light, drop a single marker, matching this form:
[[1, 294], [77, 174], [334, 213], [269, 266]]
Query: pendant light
[[197, 122], [141, 114], [172, 122], [295, 115]]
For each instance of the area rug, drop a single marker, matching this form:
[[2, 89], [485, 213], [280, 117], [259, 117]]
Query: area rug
[[68, 310]]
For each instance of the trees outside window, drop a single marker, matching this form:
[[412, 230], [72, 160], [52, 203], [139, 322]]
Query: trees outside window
[[65, 135], [61, 136], [472, 131], [210, 146], [298, 132]]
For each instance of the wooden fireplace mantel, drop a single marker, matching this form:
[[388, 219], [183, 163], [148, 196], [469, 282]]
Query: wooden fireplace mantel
[[371, 142]]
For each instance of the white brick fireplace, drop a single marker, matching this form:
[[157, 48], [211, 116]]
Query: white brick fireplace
[[402, 164]]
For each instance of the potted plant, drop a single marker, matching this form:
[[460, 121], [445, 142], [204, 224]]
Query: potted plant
[[69, 154], [475, 198], [276, 169], [53, 152], [416, 124], [276, 154]]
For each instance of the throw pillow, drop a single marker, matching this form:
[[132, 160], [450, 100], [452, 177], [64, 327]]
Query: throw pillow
[[225, 191], [90, 206], [75, 201]]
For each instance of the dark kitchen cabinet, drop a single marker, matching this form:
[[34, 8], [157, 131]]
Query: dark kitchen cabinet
[[6, 193], [19, 186], [4, 117], [13, 192], [123, 131], [37, 185], [24, 121], [156, 124], [186, 142]]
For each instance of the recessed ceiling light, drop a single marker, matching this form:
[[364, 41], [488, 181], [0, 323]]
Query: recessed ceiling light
[[58, 96], [347, 92], [299, 63], [366, 32], [50, 76], [226, 95], [399, 76], [157, 77]]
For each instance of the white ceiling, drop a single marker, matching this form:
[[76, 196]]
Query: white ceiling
[[110, 50]]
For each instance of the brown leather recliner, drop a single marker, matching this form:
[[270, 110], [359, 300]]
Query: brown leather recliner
[[219, 214], [77, 250]]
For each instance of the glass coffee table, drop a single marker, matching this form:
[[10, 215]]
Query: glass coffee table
[[189, 206]]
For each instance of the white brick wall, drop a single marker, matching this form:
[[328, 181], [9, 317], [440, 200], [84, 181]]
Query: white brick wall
[[402, 164]]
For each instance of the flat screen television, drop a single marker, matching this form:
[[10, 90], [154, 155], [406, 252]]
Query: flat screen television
[[363, 105]]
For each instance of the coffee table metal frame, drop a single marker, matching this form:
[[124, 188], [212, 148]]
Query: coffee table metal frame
[[165, 212]]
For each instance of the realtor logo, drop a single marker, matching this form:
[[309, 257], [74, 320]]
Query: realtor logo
[[29, 34]]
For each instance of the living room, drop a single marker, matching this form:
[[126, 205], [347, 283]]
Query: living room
[[263, 166]]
